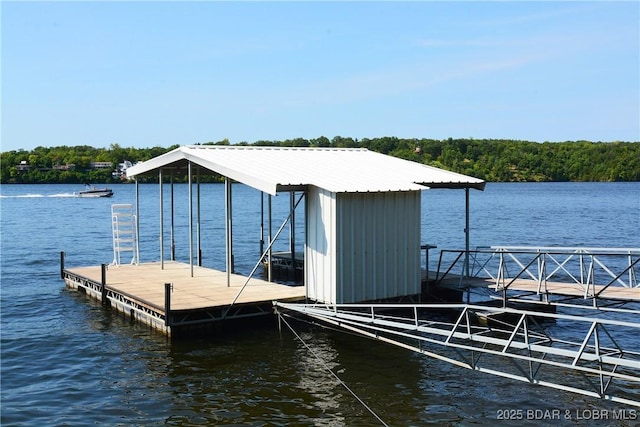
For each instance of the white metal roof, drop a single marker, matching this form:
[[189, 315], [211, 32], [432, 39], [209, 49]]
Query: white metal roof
[[339, 170]]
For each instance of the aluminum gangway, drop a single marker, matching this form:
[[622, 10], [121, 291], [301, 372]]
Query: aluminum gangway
[[601, 276], [593, 356]]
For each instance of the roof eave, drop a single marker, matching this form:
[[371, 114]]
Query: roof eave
[[456, 185]]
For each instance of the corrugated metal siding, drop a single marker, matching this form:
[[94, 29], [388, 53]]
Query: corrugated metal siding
[[378, 245], [362, 246], [320, 256]]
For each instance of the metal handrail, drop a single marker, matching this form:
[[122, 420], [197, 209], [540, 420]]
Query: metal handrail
[[590, 261]]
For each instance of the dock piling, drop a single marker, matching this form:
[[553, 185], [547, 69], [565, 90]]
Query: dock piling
[[62, 264], [103, 283], [168, 287]]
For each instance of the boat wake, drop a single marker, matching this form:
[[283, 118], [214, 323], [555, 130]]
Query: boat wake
[[36, 196]]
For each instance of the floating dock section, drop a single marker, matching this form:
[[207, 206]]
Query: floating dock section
[[173, 301]]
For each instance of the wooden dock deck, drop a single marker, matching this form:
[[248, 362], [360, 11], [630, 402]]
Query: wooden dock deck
[[205, 298]]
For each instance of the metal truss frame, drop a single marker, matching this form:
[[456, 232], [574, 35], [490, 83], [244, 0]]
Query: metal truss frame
[[614, 267], [589, 259], [216, 314], [147, 313], [482, 338], [285, 261]]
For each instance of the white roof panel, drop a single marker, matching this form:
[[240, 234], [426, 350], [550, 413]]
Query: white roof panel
[[339, 170]]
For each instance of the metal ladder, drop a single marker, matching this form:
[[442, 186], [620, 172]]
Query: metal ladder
[[125, 239]]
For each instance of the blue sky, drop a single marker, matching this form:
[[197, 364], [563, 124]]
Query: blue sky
[[143, 74]]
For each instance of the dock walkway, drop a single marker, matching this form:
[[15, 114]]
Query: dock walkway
[[567, 289], [602, 275], [140, 291]]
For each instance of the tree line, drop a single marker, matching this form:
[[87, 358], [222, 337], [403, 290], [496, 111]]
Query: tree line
[[494, 160]]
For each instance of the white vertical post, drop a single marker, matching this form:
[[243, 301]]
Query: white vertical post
[[173, 235], [190, 219], [269, 272], [306, 245], [261, 222], [228, 229], [466, 231], [161, 221], [292, 231], [137, 221], [199, 246]]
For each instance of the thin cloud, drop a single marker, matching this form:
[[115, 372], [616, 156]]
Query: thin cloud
[[390, 82]]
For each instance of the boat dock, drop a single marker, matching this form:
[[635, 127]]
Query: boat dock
[[341, 211], [362, 244], [167, 297]]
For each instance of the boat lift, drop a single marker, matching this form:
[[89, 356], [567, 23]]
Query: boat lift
[[588, 355]]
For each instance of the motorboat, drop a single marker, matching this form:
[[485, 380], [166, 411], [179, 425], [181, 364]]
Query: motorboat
[[91, 191]]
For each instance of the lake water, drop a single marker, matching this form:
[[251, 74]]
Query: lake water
[[66, 360]]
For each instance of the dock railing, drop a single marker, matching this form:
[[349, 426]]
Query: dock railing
[[539, 348], [593, 269]]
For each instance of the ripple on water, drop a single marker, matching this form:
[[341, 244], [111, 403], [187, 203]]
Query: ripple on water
[[66, 360]]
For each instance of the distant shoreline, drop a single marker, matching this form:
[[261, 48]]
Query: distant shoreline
[[493, 160]]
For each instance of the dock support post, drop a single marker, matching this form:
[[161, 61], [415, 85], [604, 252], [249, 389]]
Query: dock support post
[[292, 232], [261, 222], [172, 235], [270, 241], [168, 287], [161, 220], [137, 221], [190, 183], [103, 283], [62, 264], [228, 229], [198, 237], [466, 234]]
